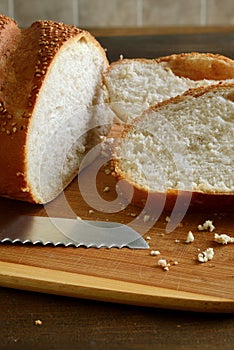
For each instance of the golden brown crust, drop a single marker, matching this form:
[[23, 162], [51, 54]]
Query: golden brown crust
[[26, 57], [199, 66], [192, 65], [200, 199], [195, 92], [196, 200]]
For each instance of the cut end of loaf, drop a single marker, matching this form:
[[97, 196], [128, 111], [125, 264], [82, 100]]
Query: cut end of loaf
[[62, 119], [51, 79], [185, 144]]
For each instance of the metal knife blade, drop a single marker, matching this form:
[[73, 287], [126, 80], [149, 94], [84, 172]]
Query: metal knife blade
[[69, 232]]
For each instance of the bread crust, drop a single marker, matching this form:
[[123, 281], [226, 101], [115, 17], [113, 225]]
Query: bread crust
[[29, 56], [192, 65], [201, 199], [199, 66]]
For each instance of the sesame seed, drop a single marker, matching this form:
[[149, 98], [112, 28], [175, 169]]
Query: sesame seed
[[24, 189], [19, 173], [14, 130], [106, 189]]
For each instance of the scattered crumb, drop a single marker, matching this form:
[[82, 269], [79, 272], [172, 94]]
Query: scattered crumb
[[164, 264], [168, 219], [155, 252], [133, 214], [177, 240], [207, 226], [106, 189], [78, 218], [121, 57], [190, 237], [148, 238], [175, 263], [223, 238], [146, 218], [38, 322], [91, 211], [207, 255]]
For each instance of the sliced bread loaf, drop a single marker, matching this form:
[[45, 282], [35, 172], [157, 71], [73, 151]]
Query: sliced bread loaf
[[135, 84], [183, 145], [50, 78]]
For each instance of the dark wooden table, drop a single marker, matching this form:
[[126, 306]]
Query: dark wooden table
[[38, 321], [80, 324]]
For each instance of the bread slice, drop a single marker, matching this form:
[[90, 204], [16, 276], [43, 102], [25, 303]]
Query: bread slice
[[50, 79], [183, 145], [135, 84]]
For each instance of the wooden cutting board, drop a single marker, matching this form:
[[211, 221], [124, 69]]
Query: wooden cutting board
[[124, 275]]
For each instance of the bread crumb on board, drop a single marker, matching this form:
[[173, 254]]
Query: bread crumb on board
[[206, 226], [190, 237], [223, 238], [155, 252], [164, 264], [207, 255]]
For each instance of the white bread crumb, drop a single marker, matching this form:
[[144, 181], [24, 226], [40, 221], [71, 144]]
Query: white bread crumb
[[207, 255], [164, 264], [223, 238], [207, 226], [38, 322], [190, 237], [155, 252], [146, 218]]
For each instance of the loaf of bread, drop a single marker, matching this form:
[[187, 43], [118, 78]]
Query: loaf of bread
[[50, 78], [183, 145], [135, 84]]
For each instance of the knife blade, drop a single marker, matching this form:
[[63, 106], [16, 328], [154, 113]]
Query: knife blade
[[69, 232]]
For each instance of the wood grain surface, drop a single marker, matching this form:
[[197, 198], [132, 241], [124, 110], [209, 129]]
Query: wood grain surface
[[124, 275]]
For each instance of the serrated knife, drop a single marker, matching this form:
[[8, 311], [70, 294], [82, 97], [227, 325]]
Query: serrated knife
[[69, 232]]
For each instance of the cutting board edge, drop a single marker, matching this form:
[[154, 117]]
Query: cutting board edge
[[70, 284]]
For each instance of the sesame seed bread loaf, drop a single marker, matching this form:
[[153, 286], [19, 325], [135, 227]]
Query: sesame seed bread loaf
[[133, 85], [50, 75], [181, 146]]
